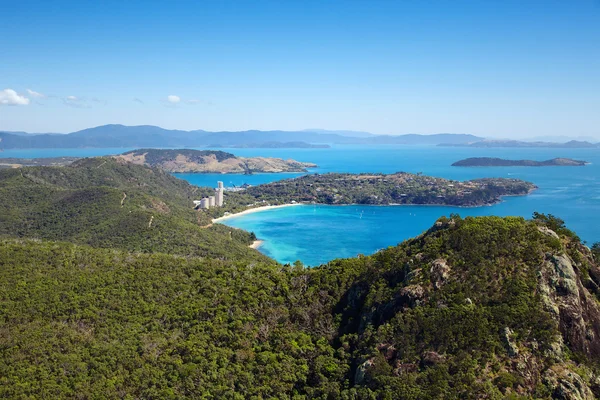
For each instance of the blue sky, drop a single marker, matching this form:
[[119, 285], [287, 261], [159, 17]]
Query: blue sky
[[492, 68]]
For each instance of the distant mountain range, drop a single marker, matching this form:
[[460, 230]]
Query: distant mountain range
[[154, 136], [157, 137]]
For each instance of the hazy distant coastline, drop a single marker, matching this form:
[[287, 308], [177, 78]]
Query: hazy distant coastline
[[573, 144], [500, 162], [157, 137]]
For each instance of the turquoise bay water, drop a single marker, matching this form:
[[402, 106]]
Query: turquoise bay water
[[317, 234]]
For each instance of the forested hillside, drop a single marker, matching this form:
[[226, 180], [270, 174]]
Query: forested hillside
[[474, 308], [104, 203]]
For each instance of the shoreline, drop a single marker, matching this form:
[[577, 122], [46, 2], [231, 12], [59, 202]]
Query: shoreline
[[253, 210], [264, 208], [256, 244]]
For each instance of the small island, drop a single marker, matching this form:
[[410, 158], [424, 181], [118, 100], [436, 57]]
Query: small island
[[376, 189], [499, 162], [210, 161]]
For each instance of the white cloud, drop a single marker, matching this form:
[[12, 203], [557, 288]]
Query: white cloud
[[34, 94], [9, 97], [76, 102], [173, 99]]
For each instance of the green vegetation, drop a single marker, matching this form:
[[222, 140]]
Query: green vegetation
[[554, 223], [103, 203], [97, 302], [399, 188], [596, 251]]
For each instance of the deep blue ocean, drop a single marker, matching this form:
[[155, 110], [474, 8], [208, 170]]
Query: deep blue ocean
[[317, 234]]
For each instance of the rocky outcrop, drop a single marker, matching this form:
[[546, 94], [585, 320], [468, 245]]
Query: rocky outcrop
[[567, 385], [359, 376], [510, 345], [440, 272], [575, 309], [548, 232]]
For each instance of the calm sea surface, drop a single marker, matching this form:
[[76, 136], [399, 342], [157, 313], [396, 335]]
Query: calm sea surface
[[317, 234]]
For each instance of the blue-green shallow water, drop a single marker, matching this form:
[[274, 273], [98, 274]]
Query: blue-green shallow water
[[319, 234]]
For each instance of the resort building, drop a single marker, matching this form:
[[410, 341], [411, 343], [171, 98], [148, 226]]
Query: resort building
[[211, 201], [219, 194]]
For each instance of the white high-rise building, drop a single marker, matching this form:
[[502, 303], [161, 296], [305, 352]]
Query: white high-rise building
[[212, 201], [219, 194], [204, 203]]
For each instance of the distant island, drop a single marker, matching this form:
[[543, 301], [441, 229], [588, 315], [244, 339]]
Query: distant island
[[573, 144], [381, 189], [272, 145], [500, 162], [36, 162], [210, 161]]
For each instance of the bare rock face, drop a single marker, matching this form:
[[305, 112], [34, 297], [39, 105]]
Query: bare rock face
[[440, 272], [359, 376], [548, 232], [572, 305], [510, 345], [413, 294], [567, 385]]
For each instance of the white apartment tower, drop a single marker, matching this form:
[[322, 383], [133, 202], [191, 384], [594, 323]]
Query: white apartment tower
[[219, 194], [212, 201]]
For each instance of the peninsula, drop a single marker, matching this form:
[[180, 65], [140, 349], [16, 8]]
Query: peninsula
[[210, 161], [377, 189], [500, 162]]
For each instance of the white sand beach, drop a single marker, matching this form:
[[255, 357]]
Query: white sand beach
[[253, 210]]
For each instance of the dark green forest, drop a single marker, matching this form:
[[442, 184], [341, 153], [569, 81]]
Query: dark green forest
[[399, 188], [97, 302], [107, 204]]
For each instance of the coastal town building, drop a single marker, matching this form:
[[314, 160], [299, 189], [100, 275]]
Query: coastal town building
[[219, 194], [212, 201]]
